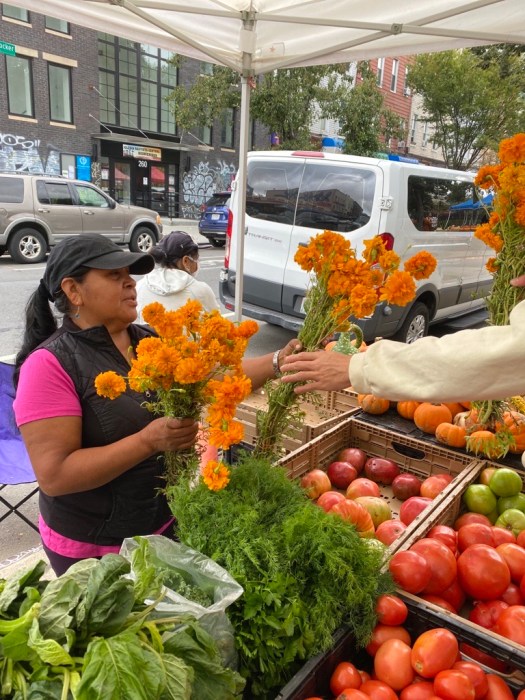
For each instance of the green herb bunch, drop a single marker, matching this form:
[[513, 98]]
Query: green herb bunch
[[305, 573], [89, 635]]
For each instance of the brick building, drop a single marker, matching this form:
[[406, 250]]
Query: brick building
[[91, 106]]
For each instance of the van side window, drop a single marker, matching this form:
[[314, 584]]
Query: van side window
[[436, 204], [53, 193], [12, 190], [335, 198], [271, 191]]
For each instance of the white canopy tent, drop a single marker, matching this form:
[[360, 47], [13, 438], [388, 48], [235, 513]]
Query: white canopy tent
[[258, 36]]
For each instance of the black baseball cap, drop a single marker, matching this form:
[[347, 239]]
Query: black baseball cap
[[93, 251], [175, 246]]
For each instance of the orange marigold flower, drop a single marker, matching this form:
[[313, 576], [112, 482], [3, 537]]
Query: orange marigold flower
[[519, 215], [421, 265], [246, 329], [389, 261], [398, 289], [216, 475], [512, 150], [110, 385], [373, 249], [363, 301], [492, 265], [488, 176]]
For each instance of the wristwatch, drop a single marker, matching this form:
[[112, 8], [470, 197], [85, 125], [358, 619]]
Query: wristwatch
[[275, 363]]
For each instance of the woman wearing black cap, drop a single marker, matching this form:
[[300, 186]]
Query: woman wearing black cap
[[96, 461], [172, 282]]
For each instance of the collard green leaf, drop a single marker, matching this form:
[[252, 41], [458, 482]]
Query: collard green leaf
[[179, 679], [46, 690], [58, 602], [49, 650], [13, 587], [121, 668], [147, 582]]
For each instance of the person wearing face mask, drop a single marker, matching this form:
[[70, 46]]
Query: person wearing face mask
[[173, 280]]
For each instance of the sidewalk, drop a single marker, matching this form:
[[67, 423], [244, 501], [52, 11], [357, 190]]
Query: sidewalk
[[189, 226]]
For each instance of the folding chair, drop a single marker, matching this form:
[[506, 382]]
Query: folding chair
[[15, 467]]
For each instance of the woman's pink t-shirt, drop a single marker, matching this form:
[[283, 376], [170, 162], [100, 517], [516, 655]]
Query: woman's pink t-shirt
[[45, 390]]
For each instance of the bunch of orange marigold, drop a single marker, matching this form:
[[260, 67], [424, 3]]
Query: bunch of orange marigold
[[505, 230], [341, 286], [193, 369]]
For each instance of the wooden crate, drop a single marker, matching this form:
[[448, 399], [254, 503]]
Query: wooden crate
[[414, 456], [321, 411]]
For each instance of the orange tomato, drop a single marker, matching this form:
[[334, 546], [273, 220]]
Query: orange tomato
[[377, 690], [345, 676], [433, 651], [477, 676], [352, 694], [381, 633], [419, 690], [453, 685], [391, 610], [392, 664], [498, 689]]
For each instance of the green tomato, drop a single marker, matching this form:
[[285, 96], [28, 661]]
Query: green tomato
[[479, 498], [512, 519], [505, 482], [517, 501]]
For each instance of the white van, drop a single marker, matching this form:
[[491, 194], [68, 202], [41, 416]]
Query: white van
[[291, 196]]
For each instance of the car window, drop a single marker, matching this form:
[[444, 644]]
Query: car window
[[335, 198], [12, 190], [88, 197], [53, 193], [218, 200], [439, 204], [271, 190]]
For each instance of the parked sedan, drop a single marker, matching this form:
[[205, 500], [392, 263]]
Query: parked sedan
[[215, 218]]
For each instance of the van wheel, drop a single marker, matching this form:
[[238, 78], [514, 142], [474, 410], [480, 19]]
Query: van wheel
[[2, 249], [142, 240], [217, 244], [415, 325], [27, 246]]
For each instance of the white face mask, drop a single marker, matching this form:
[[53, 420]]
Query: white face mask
[[196, 270]]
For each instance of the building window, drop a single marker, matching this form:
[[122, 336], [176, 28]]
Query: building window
[[60, 107], [380, 71], [406, 90], [15, 13], [227, 122], [57, 25], [206, 68], [425, 134], [203, 133], [19, 86], [395, 69], [128, 101], [106, 86], [413, 129]]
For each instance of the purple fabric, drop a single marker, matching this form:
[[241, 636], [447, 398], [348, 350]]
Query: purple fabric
[[15, 467]]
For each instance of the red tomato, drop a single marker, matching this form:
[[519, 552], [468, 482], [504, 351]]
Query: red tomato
[[486, 613], [476, 674], [498, 689], [442, 564], [514, 555], [392, 664], [434, 651], [381, 633], [483, 658], [444, 534], [419, 690], [467, 518], [440, 602], [454, 595], [345, 676], [352, 694], [501, 535], [391, 610], [521, 696], [410, 571], [511, 624], [364, 675], [520, 539], [513, 595], [474, 533], [482, 572], [434, 485], [453, 685], [377, 690]]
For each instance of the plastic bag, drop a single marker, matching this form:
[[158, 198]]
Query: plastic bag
[[201, 572]]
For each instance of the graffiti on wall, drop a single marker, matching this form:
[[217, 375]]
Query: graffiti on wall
[[19, 154], [201, 182]]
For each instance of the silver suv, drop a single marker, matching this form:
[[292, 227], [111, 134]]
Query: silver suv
[[37, 211]]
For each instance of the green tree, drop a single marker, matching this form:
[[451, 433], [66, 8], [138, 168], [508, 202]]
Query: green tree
[[364, 122], [286, 101], [472, 99]]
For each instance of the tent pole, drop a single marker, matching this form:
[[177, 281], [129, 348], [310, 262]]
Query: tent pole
[[239, 215]]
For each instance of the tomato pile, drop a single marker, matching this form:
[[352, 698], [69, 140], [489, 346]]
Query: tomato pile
[[350, 488], [473, 565], [429, 667]]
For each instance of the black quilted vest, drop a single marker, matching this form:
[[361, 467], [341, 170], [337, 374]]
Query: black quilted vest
[[130, 504]]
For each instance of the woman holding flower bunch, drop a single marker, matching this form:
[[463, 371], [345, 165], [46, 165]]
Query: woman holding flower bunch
[[98, 462]]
